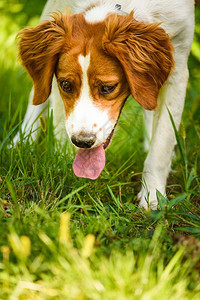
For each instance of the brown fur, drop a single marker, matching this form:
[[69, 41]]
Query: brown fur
[[145, 52], [138, 54], [39, 48], [103, 69]]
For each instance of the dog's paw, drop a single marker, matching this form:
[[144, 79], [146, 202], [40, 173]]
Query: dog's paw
[[148, 198], [14, 142], [29, 135]]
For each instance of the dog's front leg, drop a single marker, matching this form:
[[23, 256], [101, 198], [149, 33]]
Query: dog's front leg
[[31, 121], [158, 161]]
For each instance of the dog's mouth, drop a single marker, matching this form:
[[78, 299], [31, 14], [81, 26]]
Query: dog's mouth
[[89, 163], [109, 138]]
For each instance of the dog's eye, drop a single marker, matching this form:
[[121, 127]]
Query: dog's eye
[[67, 86], [107, 89]]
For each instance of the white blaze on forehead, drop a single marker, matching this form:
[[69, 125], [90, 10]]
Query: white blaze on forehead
[[87, 116], [99, 13]]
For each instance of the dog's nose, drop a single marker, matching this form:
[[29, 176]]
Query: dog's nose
[[83, 140]]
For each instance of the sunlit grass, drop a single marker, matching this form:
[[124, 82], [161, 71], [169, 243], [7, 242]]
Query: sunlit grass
[[66, 272]]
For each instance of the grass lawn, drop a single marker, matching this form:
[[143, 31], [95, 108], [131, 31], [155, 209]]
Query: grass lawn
[[67, 238]]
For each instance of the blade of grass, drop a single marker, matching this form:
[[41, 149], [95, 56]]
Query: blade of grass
[[69, 195], [16, 206], [9, 134]]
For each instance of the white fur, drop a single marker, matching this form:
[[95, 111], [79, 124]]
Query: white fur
[[177, 18], [98, 14], [31, 121], [87, 116]]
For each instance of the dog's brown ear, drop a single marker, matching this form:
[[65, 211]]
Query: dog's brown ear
[[145, 53], [39, 48]]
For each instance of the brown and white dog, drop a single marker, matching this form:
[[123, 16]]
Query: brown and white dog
[[91, 59]]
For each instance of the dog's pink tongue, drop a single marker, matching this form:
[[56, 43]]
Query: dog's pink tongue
[[89, 163]]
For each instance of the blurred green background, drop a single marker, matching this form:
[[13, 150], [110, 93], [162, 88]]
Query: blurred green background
[[15, 84]]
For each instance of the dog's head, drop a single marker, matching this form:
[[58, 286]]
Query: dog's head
[[97, 66]]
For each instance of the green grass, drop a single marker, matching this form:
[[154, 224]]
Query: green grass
[[67, 238]]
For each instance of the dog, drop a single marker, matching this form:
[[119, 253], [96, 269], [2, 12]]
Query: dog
[[88, 57]]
